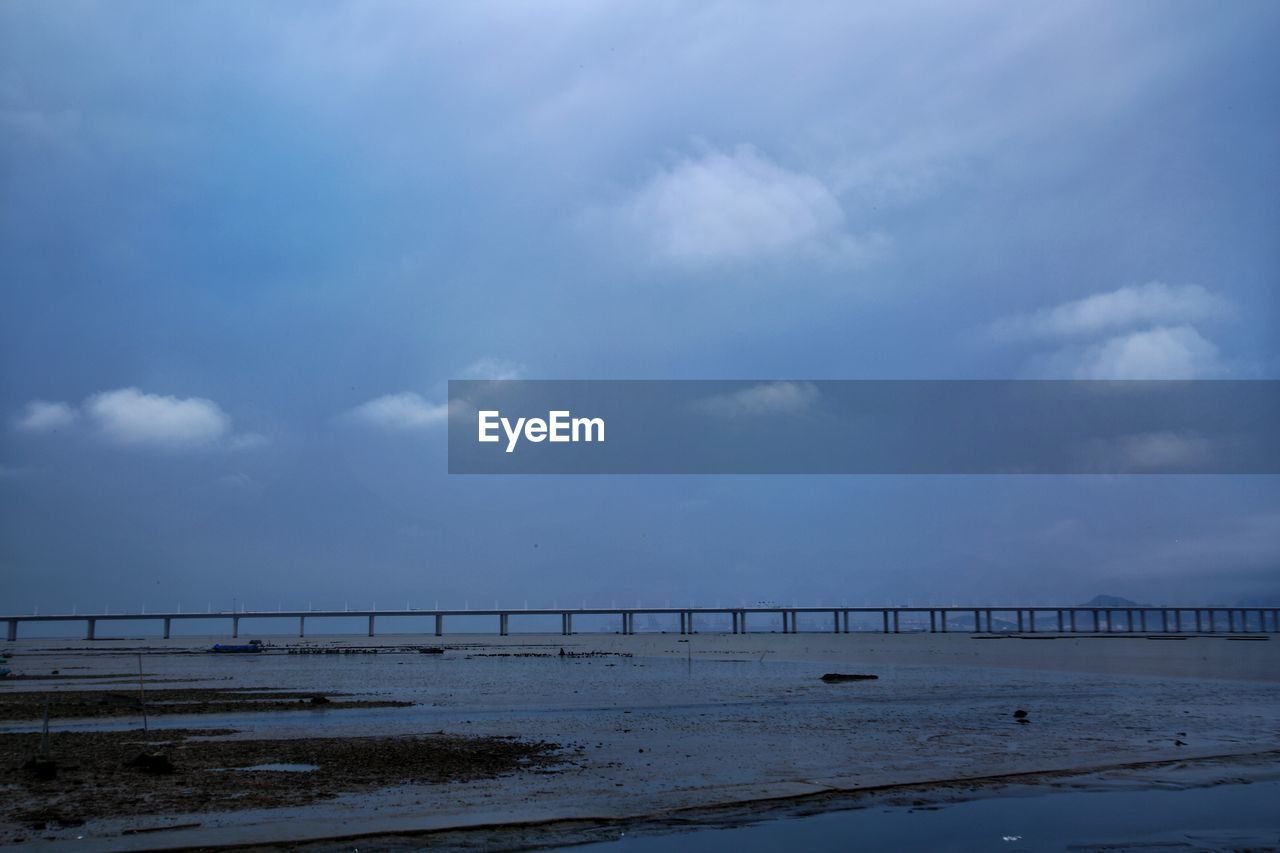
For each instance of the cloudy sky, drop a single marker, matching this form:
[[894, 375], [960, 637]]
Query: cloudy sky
[[243, 246]]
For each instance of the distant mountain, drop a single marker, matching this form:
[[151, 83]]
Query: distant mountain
[[1110, 601]]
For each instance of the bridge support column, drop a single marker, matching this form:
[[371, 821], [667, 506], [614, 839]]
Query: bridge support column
[[977, 622], [502, 625], [167, 624], [1129, 621], [567, 620], [371, 618], [1164, 621], [439, 625], [1059, 621], [1142, 620], [684, 629], [1097, 622], [13, 630], [885, 615], [1177, 621], [1031, 615], [1019, 620], [846, 621], [90, 628], [742, 621], [897, 628], [943, 616], [1198, 625], [1073, 621], [933, 622], [1231, 621], [302, 626], [989, 629], [688, 622], [835, 621], [235, 627]]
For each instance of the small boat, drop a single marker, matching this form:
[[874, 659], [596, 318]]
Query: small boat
[[252, 647]]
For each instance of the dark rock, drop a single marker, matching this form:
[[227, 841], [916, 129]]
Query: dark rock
[[1020, 714], [156, 763], [836, 677], [42, 768], [319, 700]]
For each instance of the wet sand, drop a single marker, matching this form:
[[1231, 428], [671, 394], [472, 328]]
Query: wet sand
[[656, 724]]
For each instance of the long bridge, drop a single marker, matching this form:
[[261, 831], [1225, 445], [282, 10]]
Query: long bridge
[[1078, 619]]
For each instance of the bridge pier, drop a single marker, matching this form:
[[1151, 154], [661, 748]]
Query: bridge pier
[[90, 628], [977, 622], [835, 621], [885, 615], [13, 630], [943, 615], [1019, 620], [1059, 621], [371, 630], [167, 625], [1231, 620], [1031, 615], [502, 624], [933, 622], [439, 625], [989, 622], [846, 621], [235, 627], [302, 626], [742, 621], [897, 629]]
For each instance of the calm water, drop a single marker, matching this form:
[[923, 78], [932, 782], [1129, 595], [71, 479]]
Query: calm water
[[1223, 817]]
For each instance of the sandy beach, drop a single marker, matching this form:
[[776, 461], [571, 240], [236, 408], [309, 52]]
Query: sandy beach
[[619, 730]]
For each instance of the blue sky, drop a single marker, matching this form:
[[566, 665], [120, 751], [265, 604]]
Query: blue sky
[[244, 246]]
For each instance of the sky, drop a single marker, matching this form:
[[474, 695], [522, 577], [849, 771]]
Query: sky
[[244, 246]]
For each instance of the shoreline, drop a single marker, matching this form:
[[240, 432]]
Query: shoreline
[[655, 728]]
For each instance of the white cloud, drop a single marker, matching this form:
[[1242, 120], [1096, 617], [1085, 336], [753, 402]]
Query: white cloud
[[127, 416], [1159, 452], [725, 208], [1177, 352], [404, 411], [43, 416], [493, 368], [1153, 303], [767, 398]]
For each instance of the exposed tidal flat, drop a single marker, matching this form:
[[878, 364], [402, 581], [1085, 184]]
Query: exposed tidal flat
[[503, 741]]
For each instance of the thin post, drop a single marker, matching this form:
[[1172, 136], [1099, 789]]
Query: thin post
[[142, 700]]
